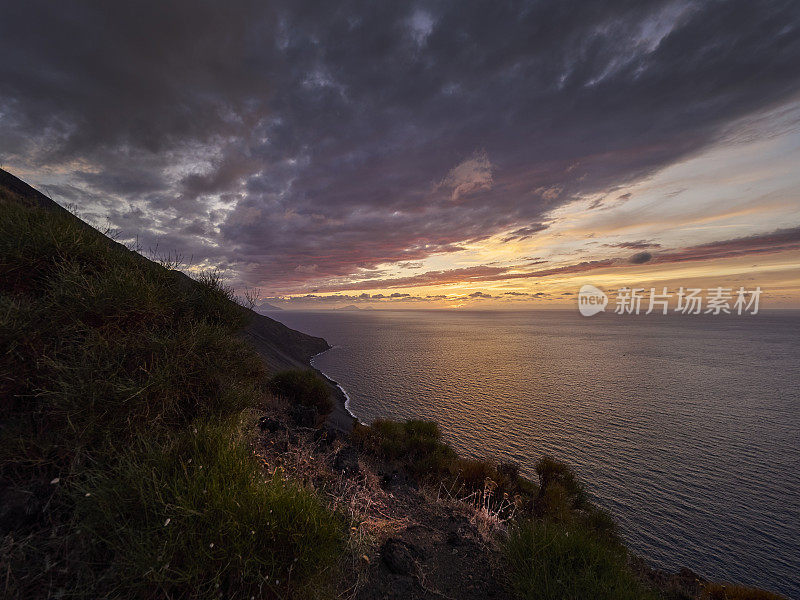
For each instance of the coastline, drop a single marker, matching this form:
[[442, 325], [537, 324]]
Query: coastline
[[340, 417], [683, 580]]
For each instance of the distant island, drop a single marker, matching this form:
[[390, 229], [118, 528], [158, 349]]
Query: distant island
[[348, 307], [267, 307]]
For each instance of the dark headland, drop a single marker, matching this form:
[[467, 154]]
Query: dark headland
[[160, 440]]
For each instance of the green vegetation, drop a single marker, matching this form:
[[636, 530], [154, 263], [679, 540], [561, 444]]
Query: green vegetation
[[125, 471], [567, 547], [550, 560], [418, 446], [418, 442], [302, 386], [559, 545], [123, 382]]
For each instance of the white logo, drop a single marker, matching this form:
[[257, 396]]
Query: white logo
[[591, 300]]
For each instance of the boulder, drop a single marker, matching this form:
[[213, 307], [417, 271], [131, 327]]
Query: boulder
[[399, 556], [270, 424]]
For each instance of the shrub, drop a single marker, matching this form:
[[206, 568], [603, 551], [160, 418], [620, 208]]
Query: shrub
[[602, 523], [302, 386], [550, 561], [394, 439], [418, 445], [559, 489]]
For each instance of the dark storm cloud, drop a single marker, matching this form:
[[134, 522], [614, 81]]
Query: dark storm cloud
[[320, 140]]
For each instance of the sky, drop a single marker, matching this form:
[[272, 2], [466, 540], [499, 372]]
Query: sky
[[421, 154]]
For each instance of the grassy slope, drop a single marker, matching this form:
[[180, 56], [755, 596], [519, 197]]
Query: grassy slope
[[124, 472]]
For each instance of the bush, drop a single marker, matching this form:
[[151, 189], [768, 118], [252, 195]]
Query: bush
[[393, 440], [302, 386], [560, 492], [418, 445], [550, 561]]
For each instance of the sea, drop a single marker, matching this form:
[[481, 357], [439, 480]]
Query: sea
[[687, 428]]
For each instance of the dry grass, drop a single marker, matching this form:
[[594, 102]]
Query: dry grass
[[360, 499]]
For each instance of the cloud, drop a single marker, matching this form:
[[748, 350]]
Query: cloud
[[472, 175], [635, 245], [523, 233], [550, 193], [780, 240], [479, 273], [640, 258], [345, 137]]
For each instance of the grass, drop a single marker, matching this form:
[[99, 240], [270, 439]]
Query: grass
[[122, 385], [412, 440], [567, 547], [200, 515], [302, 386], [419, 447], [123, 381], [554, 561]]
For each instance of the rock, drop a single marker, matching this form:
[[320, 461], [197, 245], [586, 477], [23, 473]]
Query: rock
[[267, 423], [399, 557], [395, 479], [346, 460], [304, 416], [461, 532]]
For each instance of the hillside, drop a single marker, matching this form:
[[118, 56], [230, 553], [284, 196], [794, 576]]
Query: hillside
[[129, 393], [280, 346]]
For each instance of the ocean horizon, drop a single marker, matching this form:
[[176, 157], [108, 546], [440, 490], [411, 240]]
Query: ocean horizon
[[684, 427]]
